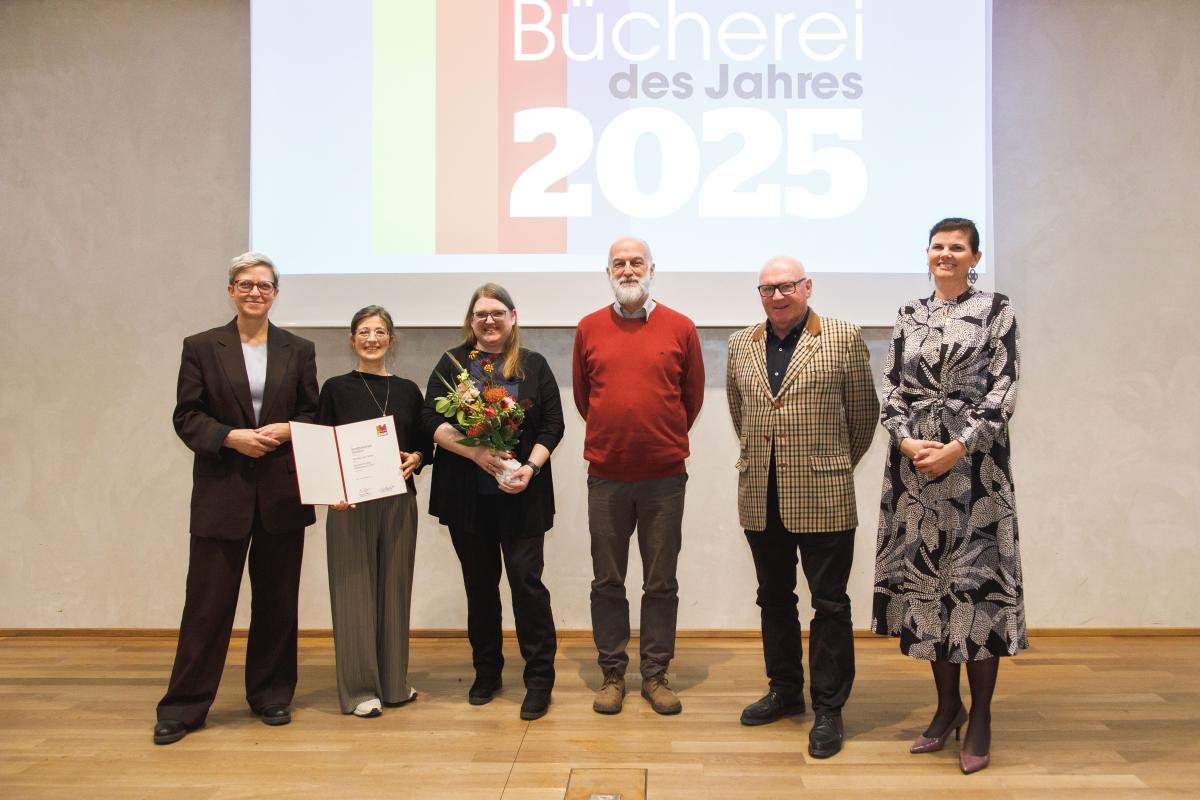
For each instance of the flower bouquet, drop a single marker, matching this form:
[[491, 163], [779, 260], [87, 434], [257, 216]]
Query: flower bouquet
[[487, 415]]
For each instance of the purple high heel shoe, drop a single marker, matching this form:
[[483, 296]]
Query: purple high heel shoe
[[926, 744], [969, 763]]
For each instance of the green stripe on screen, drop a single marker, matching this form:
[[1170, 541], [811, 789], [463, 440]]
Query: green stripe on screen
[[404, 96]]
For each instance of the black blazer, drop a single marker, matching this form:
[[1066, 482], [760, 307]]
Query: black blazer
[[453, 493], [213, 398]]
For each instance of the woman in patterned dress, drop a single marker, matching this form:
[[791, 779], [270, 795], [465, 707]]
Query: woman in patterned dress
[[947, 564]]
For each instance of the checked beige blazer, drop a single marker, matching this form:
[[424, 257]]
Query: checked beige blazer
[[820, 425]]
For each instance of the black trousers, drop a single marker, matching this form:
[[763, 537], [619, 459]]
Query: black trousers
[[213, 580], [480, 552], [826, 559]]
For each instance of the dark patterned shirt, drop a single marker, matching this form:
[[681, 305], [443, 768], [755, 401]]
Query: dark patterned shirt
[[779, 352]]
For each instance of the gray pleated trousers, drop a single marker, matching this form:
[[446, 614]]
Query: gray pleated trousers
[[370, 551]]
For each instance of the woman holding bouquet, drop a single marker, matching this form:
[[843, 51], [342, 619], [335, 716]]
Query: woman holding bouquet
[[494, 511], [371, 545]]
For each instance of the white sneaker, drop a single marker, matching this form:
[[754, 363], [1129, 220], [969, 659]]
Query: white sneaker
[[369, 708]]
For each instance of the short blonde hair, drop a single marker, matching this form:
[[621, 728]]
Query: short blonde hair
[[252, 259]]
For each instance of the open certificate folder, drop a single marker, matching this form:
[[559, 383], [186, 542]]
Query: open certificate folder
[[349, 463]]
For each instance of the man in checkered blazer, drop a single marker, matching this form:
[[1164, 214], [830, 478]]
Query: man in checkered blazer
[[804, 407]]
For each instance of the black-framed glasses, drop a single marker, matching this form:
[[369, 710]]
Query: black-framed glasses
[[246, 287], [769, 289], [484, 316]]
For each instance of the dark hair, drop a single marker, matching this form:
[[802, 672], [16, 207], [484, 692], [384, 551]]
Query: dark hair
[[512, 347], [371, 311], [957, 224]]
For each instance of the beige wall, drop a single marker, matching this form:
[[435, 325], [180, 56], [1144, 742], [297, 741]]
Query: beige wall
[[124, 145], [1095, 113]]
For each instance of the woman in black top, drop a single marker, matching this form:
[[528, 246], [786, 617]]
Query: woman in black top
[[489, 519], [371, 545]]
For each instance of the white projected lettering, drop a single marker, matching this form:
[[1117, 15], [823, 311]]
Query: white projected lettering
[[820, 36], [721, 194], [679, 160], [572, 134], [761, 143], [847, 172]]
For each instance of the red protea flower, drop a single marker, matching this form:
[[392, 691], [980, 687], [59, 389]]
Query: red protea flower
[[526, 403], [489, 412], [494, 394], [475, 430]]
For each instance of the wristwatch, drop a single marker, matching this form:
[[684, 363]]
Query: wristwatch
[[536, 469]]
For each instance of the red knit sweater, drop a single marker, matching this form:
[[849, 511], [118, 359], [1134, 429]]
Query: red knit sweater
[[639, 384]]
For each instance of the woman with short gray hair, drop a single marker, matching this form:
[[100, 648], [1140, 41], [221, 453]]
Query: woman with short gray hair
[[239, 387]]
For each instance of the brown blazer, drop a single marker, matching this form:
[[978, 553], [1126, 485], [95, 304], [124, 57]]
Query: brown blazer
[[820, 424], [213, 398]]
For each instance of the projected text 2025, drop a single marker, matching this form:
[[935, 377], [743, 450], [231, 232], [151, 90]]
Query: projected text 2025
[[826, 180]]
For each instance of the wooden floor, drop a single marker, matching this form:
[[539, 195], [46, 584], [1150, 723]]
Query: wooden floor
[[1073, 717]]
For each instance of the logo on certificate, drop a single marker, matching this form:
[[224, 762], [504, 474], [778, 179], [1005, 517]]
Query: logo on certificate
[[381, 430]]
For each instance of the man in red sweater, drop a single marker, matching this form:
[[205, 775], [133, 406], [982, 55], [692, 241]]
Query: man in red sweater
[[639, 384]]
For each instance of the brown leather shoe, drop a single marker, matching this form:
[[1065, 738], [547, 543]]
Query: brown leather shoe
[[611, 695], [662, 699]]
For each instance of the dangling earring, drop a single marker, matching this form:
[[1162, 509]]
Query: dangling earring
[[972, 275]]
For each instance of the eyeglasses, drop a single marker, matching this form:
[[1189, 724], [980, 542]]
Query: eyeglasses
[[769, 289], [246, 287], [367, 333], [484, 316]]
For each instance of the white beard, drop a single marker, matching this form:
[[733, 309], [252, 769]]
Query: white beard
[[631, 294]]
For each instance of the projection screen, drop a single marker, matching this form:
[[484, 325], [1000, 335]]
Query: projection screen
[[405, 151]]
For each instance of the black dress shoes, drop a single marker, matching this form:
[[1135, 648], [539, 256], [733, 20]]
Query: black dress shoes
[[536, 704], [483, 690], [167, 731], [771, 707], [275, 715], [825, 738]]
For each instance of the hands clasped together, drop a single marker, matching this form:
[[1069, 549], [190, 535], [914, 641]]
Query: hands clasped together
[[933, 459], [493, 462], [257, 442]]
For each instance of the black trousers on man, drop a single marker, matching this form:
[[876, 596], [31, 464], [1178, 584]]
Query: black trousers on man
[[826, 559], [213, 581]]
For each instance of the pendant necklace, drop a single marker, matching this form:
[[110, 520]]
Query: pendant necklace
[[386, 397]]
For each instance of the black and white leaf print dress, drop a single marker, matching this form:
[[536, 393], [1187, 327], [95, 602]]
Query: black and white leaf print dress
[[947, 562]]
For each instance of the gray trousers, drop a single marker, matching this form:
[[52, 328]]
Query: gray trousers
[[655, 508], [371, 550]]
